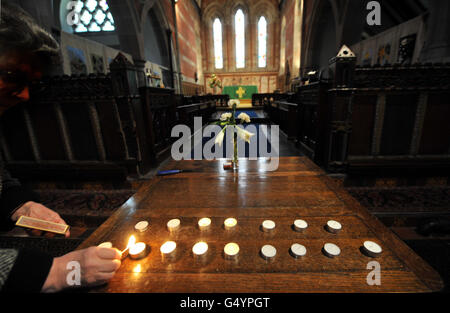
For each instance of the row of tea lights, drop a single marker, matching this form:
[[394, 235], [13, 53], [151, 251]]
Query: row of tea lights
[[231, 250]]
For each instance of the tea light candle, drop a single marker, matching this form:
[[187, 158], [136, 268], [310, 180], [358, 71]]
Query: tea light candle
[[105, 245], [331, 250], [333, 227], [168, 247], [300, 225], [231, 250], [137, 250], [200, 248], [268, 225], [230, 223], [141, 226], [268, 252], [204, 223], [298, 250], [173, 224], [372, 249]]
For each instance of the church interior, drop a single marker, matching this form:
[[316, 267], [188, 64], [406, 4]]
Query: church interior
[[359, 90]]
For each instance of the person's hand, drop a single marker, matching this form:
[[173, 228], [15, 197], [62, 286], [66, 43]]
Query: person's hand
[[37, 210], [96, 267]]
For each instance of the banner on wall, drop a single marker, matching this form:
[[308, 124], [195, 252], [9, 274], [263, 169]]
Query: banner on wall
[[240, 92]]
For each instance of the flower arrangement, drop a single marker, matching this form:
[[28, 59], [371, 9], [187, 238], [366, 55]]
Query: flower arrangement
[[214, 82], [228, 121]]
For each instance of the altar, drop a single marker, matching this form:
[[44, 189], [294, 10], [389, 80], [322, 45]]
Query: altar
[[242, 93]]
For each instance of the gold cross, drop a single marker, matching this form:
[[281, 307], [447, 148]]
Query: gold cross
[[240, 92]]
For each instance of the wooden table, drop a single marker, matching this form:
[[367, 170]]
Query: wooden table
[[298, 189]]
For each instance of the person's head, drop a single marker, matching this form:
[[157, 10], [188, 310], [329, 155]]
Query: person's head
[[26, 52]]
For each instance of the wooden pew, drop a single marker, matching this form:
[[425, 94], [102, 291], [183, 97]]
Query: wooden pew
[[382, 120], [74, 128], [187, 113], [400, 119], [96, 127], [263, 99]]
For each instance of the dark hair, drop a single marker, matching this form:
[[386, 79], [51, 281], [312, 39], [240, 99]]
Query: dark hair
[[19, 31]]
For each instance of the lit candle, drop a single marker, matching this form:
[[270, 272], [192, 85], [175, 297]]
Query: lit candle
[[173, 224], [200, 248], [135, 250], [230, 223], [231, 250], [168, 247], [204, 223]]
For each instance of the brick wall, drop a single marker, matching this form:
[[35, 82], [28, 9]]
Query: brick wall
[[188, 24]]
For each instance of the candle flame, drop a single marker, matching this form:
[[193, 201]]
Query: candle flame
[[131, 241]]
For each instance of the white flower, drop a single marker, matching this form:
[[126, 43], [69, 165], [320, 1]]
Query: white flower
[[244, 117], [225, 116], [233, 101], [219, 137], [245, 135]]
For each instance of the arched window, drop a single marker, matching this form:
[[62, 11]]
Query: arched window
[[217, 37], [239, 28], [94, 16], [262, 42]]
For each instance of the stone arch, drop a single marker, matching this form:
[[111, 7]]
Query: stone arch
[[210, 13], [271, 13], [266, 8], [166, 43], [249, 35]]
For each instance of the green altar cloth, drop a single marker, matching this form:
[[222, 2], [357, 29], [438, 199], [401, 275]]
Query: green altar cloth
[[240, 92]]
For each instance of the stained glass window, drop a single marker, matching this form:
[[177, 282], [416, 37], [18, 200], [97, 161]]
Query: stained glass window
[[262, 42], [217, 37], [239, 24], [94, 16]]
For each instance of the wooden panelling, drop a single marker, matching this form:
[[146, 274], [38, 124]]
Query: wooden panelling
[[81, 134], [363, 119], [16, 137], [45, 126], [398, 124], [435, 138]]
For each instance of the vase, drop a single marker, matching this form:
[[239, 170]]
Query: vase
[[235, 152]]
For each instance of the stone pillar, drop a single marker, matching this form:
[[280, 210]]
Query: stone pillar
[[437, 40]]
